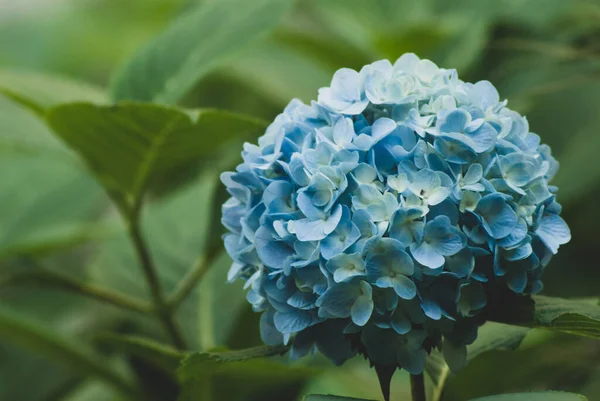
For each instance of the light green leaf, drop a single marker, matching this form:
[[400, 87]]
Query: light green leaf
[[203, 39], [491, 337], [278, 71], [568, 316], [48, 200], [48, 90], [318, 397], [160, 355], [51, 239], [130, 147], [545, 396], [68, 351]]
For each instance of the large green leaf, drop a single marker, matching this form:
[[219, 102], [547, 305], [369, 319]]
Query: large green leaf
[[67, 351], [240, 375], [568, 316], [545, 396], [319, 397], [200, 364], [545, 361], [491, 337], [169, 66], [48, 90], [48, 199], [131, 147]]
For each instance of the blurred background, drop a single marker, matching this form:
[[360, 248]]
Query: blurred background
[[543, 56]]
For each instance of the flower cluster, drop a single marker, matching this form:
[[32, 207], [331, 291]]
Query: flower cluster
[[380, 218]]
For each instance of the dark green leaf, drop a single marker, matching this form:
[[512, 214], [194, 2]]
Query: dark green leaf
[[545, 396], [68, 351], [491, 337], [241, 375], [160, 355], [317, 397], [568, 316], [200, 364], [545, 361], [169, 66], [131, 146]]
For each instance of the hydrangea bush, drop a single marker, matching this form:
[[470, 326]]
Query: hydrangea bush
[[384, 218]]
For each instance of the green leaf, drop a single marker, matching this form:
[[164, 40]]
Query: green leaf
[[47, 240], [200, 364], [68, 351], [160, 355], [544, 396], [491, 337], [240, 375], [203, 39], [568, 316], [280, 72], [44, 90], [318, 397], [545, 361], [131, 147], [48, 199]]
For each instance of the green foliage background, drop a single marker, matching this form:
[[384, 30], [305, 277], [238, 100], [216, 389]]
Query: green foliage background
[[80, 180]]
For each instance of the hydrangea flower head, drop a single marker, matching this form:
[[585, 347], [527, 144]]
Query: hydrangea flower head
[[381, 218]]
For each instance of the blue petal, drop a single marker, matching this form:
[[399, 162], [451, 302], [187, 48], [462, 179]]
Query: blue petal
[[404, 287], [455, 121], [499, 219], [427, 255], [400, 321], [316, 230], [553, 231], [292, 322], [484, 138], [268, 332], [361, 310], [339, 298]]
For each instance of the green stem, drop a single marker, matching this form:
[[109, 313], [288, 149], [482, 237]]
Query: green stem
[[47, 277], [187, 284], [417, 387], [161, 308]]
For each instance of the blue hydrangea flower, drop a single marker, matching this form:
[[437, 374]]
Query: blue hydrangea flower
[[381, 218]]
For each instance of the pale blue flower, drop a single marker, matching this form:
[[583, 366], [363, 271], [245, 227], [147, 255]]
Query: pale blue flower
[[407, 225], [345, 266], [439, 239], [496, 215], [346, 94], [381, 218], [345, 234], [353, 299], [427, 185], [392, 269]]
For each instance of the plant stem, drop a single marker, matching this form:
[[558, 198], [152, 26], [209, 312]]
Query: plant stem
[[161, 308], [187, 284], [417, 387], [48, 277]]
